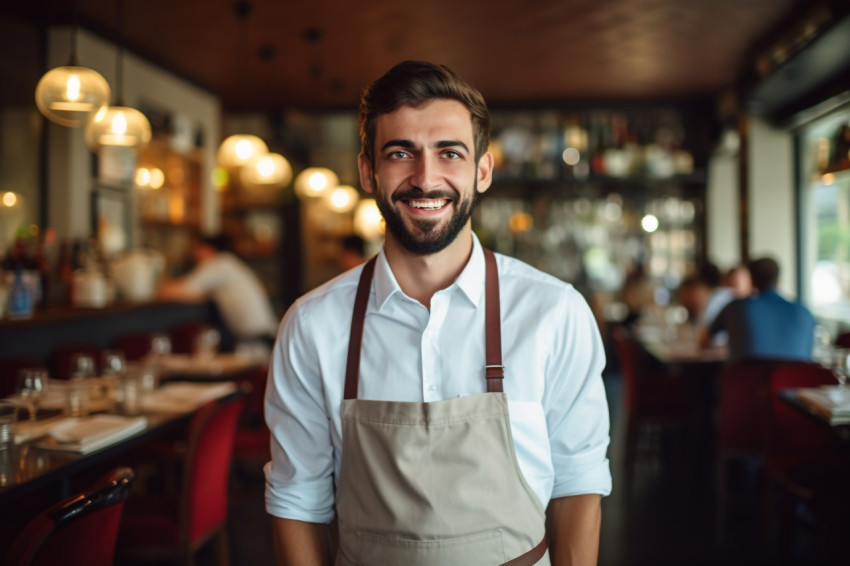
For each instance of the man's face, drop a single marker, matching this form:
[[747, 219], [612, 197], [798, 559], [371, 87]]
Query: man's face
[[425, 177]]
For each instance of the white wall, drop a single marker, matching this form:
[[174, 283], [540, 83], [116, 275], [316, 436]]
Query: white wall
[[723, 210], [70, 177], [771, 199]]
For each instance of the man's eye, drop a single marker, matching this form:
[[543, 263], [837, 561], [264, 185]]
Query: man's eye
[[397, 155], [452, 155]]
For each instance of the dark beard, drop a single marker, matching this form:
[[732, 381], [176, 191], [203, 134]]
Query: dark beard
[[430, 240]]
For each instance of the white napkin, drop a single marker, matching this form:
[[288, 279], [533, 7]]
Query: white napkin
[[87, 434], [830, 400], [182, 397]]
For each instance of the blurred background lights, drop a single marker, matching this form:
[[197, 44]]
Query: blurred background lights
[[314, 181], [649, 223], [368, 222], [571, 156], [10, 199], [342, 198]]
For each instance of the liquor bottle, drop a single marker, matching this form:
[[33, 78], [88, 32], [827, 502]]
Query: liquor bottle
[[20, 296]]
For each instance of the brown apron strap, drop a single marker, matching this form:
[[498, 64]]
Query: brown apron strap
[[531, 557], [494, 370], [358, 317]]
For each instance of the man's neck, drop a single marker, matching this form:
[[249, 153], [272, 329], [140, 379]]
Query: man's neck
[[420, 276]]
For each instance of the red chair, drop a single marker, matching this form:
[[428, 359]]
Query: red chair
[[64, 359], [135, 345], [741, 424], [184, 336], [805, 462], [176, 526], [9, 370], [252, 435], [653, 396], [79, 530]]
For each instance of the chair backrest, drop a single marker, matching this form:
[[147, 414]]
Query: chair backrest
[[81, 529], [9, 369], [742, 405], [207, 472], [185, 334], [639, 370], [134, 345], [63, 359], [791, 431]]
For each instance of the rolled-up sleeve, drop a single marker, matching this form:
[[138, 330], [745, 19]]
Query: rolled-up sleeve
[[299, 477], [576, 404]]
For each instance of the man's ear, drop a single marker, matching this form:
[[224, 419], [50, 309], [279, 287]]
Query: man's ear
[[367, 175], [485, 172]]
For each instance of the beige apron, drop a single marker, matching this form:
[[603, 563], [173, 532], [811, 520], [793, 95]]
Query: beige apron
[[434, 484]]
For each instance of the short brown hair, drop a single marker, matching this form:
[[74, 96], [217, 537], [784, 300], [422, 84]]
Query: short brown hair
[[764, 273], [415, 83]]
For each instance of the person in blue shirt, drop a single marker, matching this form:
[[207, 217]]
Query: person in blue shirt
[[766, 325]]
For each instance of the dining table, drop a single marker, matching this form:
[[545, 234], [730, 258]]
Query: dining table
[[827, 405], [48, 452]]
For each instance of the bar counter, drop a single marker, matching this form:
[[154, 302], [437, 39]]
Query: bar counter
[[38, 336]]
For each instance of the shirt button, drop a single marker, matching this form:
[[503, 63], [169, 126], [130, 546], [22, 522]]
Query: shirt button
[[432, 388]]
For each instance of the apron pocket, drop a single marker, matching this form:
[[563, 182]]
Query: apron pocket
[[480, 549]]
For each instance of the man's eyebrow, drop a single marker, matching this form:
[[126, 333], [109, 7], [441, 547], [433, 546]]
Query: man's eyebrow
[[452, 143], [407, 144]]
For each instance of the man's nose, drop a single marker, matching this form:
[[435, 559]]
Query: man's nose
[[425, 173]]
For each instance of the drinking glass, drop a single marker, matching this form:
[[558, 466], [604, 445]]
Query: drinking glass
[[32, 382], [160, 344], [8, 417], [83, 366], [841, 365], [206, 343], [114, 363]]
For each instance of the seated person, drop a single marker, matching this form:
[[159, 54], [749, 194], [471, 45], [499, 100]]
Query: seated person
[[765, 325], [239, 295]]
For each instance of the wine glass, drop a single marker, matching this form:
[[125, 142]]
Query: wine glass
[[840, 364], [206, 343], [160, 344], [32, 383]]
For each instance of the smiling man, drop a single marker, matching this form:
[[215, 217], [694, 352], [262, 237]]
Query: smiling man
[[437, 403]]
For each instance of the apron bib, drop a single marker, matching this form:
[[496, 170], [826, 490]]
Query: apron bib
[[434, 484]]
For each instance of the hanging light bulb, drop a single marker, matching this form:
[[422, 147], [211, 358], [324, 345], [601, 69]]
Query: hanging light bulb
[[341, 198], [269, 171], [118, 126], [239, 150], [313, 182], [70, 95]]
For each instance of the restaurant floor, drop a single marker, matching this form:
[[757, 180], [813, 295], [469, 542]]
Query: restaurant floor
[[666, 518]]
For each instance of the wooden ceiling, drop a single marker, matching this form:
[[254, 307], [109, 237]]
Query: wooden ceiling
[[319, 54]]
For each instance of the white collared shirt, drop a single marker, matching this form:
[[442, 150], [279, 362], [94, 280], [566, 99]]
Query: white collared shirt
[[551, 349]]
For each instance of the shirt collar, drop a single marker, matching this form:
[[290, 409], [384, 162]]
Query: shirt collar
[[470, 280]]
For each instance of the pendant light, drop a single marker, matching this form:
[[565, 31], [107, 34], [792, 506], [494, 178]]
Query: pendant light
[[70, 95], [341, 198], [118, 126], [240, 150], [314, 182], [270, 171]]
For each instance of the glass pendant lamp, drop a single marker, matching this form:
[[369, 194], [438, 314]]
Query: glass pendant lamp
[[313, 182], [70, 95], [341, 198], [270, 171], [239, 150], [118, 126]]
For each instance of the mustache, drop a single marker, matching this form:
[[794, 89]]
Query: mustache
[[415, 193]]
